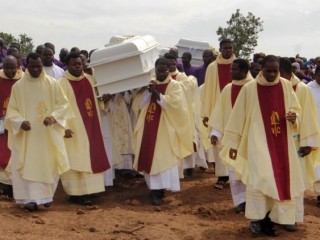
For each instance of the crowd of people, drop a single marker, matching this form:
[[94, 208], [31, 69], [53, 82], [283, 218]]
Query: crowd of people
[[257, 121]]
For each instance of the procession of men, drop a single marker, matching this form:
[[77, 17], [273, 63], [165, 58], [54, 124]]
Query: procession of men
[[259, 127]]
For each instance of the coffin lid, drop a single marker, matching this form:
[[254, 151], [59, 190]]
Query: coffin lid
[[121, 47], [193, 44], [163, 51]]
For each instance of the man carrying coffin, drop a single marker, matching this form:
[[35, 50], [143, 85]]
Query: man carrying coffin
[[162, 133], [84, 142]]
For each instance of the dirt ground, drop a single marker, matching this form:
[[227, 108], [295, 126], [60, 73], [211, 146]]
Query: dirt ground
[[124, 212]]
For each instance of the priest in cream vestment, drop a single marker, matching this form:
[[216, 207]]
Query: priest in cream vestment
[[258, 142], [217, 77], [9, 75], [307, 136], [84, 141], [189, 86], [219, 119], [36, 119], [162, 133]]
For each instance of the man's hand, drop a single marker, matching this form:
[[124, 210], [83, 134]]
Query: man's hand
[[68, 133], [142, 89], [152, 89], [106, 97], [291, 117], [152, 86], [304, 151], [205, 121], [48, 121], [233, 154], [25, 125], [214, 140]]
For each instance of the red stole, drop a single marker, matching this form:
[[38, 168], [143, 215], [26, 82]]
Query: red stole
[[5, 91], [235, 89], [87, 106], [224, 75], [150, 132], [272, 105]]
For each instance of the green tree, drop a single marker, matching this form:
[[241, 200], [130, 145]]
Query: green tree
[[243, 31], [25, 42]]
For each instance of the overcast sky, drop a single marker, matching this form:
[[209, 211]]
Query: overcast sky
[[290, 26]]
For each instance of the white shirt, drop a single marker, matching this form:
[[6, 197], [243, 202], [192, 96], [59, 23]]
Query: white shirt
[[54, 71]]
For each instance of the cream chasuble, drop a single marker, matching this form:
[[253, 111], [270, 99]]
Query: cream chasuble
[[308, 133], [173, 138], [211, 88], [245, 132], [40, 152]]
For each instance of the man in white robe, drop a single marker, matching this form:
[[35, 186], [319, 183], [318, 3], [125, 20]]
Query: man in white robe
[[315, 89], [49, 67]]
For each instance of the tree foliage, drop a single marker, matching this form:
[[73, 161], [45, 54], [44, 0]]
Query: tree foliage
[[243, 31], [24, 40]]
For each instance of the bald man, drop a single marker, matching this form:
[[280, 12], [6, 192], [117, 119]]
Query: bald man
[[8, 76], [207, 57], [174, 51]]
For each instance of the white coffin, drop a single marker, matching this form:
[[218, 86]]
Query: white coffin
[[163, 51], [196, 48], [124, 64]]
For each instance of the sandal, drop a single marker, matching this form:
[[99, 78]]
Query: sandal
[[220, 184]]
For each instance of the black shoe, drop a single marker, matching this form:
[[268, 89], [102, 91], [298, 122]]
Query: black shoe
[[156, 201], [31, 206], [10, 192], [318, 201], [86, 200], [128, 174], [203, 169], [47, 205], [74, 199], [255, 227], [240, 208], [118, 173], [267, 227], [161, 193], [291, 227], [189, 172], [156, 198], [270, 232], [139, 175], [224, 178], [6, 190]]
